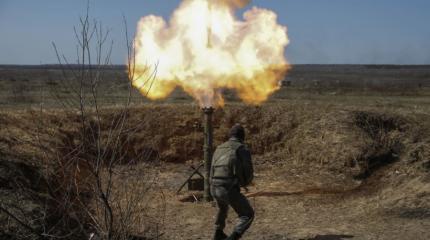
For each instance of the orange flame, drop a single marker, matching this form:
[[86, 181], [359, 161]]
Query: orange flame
[[205, 49]]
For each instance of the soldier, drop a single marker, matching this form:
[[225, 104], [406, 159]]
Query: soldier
[[231, 169]]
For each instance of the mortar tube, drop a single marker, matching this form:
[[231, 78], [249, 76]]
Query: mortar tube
[[207, 150]]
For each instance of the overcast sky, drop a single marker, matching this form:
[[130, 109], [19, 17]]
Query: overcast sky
[[321, 31]]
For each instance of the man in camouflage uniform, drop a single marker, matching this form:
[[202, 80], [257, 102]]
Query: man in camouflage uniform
[[231, 169]]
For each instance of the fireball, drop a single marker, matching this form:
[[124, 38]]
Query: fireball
[[204, 49]]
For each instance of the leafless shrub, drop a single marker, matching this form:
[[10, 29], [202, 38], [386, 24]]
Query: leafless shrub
[[87, 194]]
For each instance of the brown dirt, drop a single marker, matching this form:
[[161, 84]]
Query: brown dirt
[[323, 171]]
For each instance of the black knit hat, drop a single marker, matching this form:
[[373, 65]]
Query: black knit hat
[[238, 132]]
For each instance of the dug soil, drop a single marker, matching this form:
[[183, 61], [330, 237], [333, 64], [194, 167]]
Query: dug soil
[[323, 171]]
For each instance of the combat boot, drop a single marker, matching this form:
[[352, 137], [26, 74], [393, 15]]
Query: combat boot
[[219, 235], [233, 236]]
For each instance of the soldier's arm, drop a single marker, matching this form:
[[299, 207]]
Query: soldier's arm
[[245, 169]]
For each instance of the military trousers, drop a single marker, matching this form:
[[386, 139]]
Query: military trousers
[[227, 195]]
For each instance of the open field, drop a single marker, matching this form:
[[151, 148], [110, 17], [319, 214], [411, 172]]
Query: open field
[[338, 154], [24, 86]]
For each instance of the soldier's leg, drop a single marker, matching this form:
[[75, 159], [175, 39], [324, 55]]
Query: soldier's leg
[[221, 215], [243, 209], [221, 197]]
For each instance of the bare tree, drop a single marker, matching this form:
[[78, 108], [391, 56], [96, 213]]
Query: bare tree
[[86, 192]]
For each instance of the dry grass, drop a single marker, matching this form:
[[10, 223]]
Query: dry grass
[[320, 144]]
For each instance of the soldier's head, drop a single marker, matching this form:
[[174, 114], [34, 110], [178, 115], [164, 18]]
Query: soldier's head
[[237, 131]]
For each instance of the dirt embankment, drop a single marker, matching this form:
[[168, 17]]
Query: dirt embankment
[[320, 149]]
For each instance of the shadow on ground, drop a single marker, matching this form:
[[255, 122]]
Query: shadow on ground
[[331, 237], [317, 237]]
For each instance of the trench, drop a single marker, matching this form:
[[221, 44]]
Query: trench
[[385, 148], [382, 151]]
